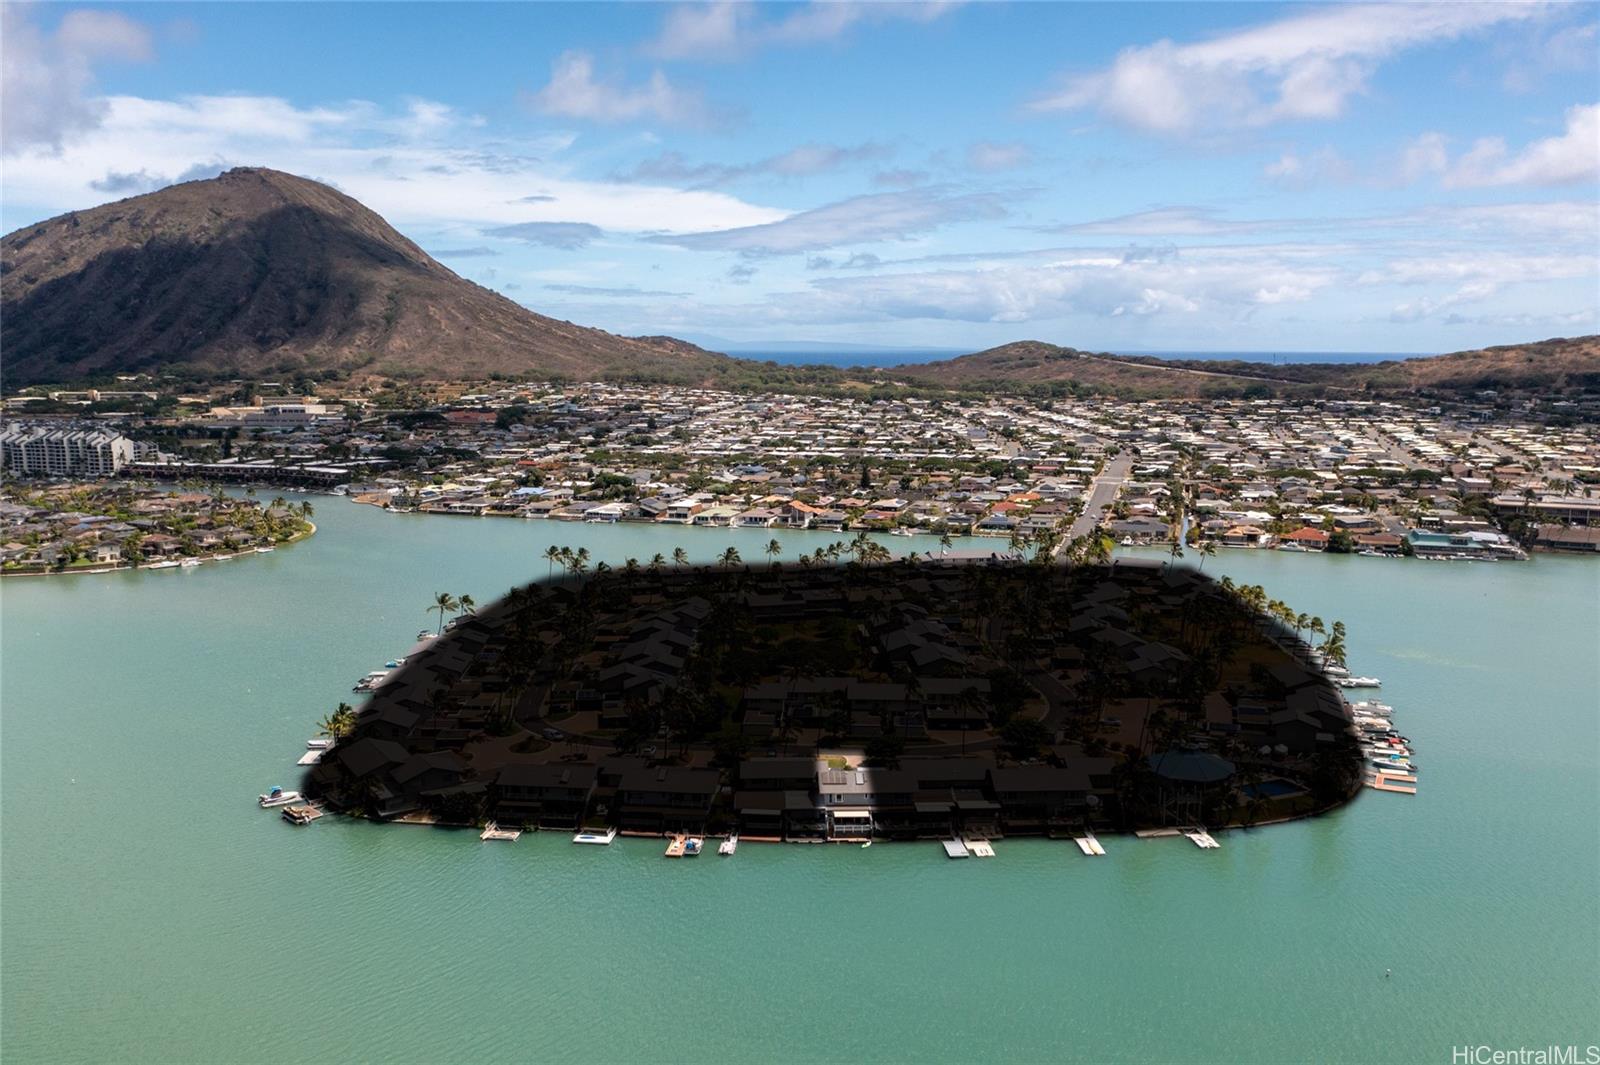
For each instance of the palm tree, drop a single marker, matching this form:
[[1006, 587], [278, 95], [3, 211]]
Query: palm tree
[[680, 557], [339, 724], [730, 557], [466, 605], [1207, 549], [657, 562], [552, 555], [944, 540], [444, 603], [774, 549], [580, 560]]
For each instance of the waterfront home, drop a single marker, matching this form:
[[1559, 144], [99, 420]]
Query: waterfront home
[[550, 795], [664, 798], [1307, 538]]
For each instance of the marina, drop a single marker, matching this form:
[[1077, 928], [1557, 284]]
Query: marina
[[1308, 884]]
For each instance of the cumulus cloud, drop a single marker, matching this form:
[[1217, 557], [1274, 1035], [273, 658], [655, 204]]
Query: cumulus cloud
[[803, 161], [574, 92], [356, 146], [48, 79], [567, 236], [734, 30], [1306, 66], [1099, 284], [1570, 157], [1474, 279], [990, 155], [861, 219]]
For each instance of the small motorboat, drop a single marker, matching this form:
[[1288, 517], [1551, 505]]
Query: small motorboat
[[692, 846], [264, 550], [278, 797], [189, 563], [729, 845]]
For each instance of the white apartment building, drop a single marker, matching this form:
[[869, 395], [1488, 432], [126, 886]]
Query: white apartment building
[[39, 450]]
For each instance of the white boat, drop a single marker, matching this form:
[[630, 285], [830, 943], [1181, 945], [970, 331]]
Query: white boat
[[1358, 682], [167, 563], [693, 846], [264, 550], [278, 797], [370, 681], [1373, 707], [189, 563], [319, 744], [602, 839], [729, 845], [901, 532]]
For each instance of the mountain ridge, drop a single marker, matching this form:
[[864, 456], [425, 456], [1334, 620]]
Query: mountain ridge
[[258, 271]]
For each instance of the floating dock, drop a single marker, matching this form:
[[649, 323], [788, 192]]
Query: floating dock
[[602, 839], [979, 848], [954, 848], [1399, 783], [1201, 838], [1089, 845], [301, 815], [676, 848], [494, 831], [312, 757]]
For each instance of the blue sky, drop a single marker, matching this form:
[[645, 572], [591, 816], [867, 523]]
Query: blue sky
[[1136, 176]]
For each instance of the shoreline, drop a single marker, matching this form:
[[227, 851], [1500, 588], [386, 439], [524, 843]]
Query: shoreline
[[88, 570]]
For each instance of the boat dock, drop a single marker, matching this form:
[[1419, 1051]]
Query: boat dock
[[602, 839], [313, 756], [301, 815], [1201, 838], [1089, 845], [494, 831], [1399, 783], [677, 846], [954, 848], [729, 845], [979, 848]]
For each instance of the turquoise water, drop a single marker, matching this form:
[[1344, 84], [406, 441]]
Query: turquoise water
[[149, 912]]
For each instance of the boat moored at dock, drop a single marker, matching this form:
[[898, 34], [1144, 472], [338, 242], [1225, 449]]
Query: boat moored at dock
[[278, 797]]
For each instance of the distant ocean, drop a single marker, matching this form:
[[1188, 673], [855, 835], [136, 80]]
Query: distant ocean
[[845, 357]]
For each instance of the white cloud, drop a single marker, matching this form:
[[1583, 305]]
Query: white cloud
[[47, 80], [573, 92], [365, 150], [734, 30], [1295, 170], [1570, 157], [803, 161], [1425, 155], [1306, 66], [862, 219], [990, 155]]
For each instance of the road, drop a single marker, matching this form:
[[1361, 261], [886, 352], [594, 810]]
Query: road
[[1102, 493]]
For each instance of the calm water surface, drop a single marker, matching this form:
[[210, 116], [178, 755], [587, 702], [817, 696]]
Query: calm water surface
[[148, 911]]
